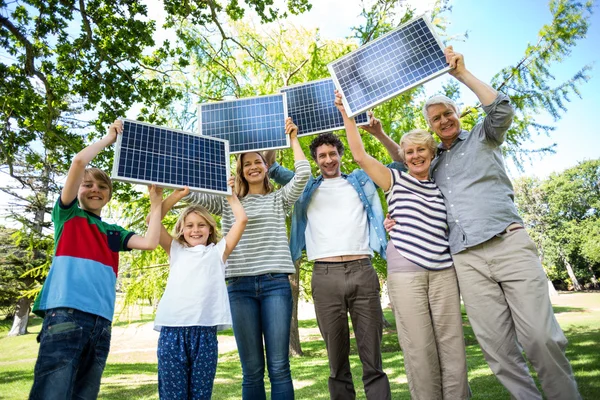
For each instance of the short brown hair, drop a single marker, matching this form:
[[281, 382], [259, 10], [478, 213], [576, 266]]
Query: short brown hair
[[241, 184], [213, 237], [418, 136], [99, 176]]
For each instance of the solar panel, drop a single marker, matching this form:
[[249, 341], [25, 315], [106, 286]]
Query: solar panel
[[250, 124], [171, 158], [311, 107], [396, 62]]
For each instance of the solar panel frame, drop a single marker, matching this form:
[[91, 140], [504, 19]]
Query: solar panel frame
[[122, 146], [323, 117], [352, 111], [239, 144]]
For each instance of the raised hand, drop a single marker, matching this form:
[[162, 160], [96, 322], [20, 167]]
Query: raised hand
[[374, 127], [113, 130], [339, 103], [456, 61], [291, 128]]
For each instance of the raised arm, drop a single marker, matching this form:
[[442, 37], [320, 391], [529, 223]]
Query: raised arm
[[150, 240], [496, 105], [292, 130], [380, 174], [83, 158], [294, 187], [165, 237], [376, 130], [484, 92], [237, 229]]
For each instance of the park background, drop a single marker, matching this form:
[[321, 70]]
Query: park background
[[545, 51]]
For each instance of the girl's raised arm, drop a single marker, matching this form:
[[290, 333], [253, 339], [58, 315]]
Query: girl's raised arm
[[168, 203], [241, 219]]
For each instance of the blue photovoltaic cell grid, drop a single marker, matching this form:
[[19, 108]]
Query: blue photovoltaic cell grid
[[388, 66], [251, 124], [311, 107], [170, 158]]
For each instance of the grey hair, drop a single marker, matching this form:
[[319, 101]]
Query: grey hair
[[418, 137], [439, 99]]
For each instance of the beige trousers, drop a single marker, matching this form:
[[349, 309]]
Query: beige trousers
[[505, 292], [428, 319]]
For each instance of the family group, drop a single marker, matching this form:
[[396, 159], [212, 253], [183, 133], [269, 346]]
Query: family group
[[453, 231]]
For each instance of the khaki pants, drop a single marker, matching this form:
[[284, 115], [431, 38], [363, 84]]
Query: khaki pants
[[505, 292], [429, 322], [351, 286]]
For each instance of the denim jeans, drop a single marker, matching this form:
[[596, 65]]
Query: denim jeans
[[261, 306], [74, 346]]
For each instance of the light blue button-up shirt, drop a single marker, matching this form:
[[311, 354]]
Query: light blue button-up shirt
[[367, 193], [478, 194]]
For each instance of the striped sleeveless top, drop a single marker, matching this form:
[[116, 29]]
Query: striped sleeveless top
[[421, 230]]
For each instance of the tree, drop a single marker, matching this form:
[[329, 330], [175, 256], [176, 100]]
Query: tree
[[20, 253], [67, 60], [561, 215]]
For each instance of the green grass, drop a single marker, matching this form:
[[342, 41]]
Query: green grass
[[578, 314]]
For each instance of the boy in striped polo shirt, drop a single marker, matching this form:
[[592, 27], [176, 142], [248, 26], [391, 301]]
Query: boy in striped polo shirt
[[78, 297]]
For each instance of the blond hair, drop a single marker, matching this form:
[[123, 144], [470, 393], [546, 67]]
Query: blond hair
[[99, 176], [214, 235], [418, 137], [241, 184]]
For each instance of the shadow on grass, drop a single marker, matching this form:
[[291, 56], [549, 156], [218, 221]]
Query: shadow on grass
[[566, 309], [11, 376], [129, 381]]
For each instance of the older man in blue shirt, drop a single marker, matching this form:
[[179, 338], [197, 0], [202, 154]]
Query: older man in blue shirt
[[501, 279]]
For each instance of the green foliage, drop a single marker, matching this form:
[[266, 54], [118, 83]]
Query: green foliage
[[23, 257], [530, 83], [562, 215]]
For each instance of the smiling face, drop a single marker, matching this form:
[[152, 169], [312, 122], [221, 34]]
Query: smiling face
[[328, 160], [254, 168], [444, 122], [93, 194], [196, 230], [417, 158]]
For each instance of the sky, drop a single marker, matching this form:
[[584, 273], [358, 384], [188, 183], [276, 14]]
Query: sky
[[498, 33]]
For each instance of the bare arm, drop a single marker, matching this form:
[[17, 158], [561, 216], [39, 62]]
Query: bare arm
[[292, 130], [376, 130], [240, 220], [165, 237], [150, 240], [83, 158], [380, 174], [484, 92]]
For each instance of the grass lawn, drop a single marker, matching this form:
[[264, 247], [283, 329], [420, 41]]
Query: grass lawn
[[131, 376]]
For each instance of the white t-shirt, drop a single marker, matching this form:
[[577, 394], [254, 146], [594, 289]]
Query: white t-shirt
[[196, 293], [337, 221]]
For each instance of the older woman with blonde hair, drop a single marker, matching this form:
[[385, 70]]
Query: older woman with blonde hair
[[421, 278]]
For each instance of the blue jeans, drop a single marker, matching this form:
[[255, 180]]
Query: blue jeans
[[262, 306], [74, 346]]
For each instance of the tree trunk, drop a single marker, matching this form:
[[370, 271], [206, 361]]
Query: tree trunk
[[576, 285], [19, 326], [295, 347], [594, 279]]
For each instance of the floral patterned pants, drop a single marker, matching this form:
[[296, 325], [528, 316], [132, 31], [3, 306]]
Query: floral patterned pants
[[187, 362]]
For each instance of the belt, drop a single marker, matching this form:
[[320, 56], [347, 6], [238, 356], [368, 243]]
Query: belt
[[512, 227]]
